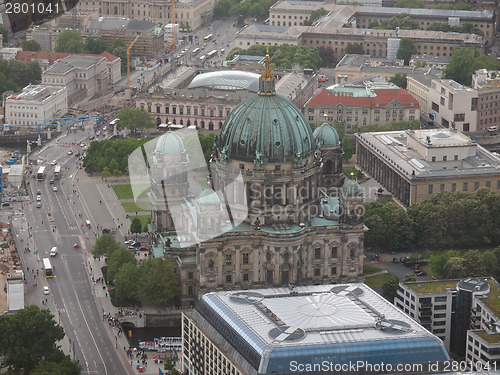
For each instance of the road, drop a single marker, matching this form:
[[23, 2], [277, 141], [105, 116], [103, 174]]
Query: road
[[60, 221]]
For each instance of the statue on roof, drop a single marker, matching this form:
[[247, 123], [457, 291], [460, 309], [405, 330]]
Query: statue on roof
[[223, 153], [258, 158], [298, 157]]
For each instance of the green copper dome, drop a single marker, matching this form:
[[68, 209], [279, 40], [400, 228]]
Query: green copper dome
[[169, 144], [352, 188], [326, 135], [208, 197], [266, 128]]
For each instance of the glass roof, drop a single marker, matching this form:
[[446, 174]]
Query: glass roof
[[230, 80]]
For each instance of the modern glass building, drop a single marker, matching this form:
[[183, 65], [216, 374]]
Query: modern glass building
[[315, 329]]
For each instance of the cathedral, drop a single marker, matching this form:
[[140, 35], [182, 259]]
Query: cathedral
[[302, 221]]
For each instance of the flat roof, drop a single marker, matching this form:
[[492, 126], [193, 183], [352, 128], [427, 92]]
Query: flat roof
[[82, 61], [492, 301], [393, 146], [432, 287], [419, 12]]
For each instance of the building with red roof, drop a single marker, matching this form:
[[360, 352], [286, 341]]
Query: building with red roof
[[385, 106]]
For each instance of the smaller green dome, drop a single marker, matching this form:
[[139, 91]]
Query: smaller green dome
[[352, 188], [326, 135], [208, 197], [169, 144]]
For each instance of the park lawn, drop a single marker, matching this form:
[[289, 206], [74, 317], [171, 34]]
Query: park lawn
[[368, 270], [134, 207], [142, 218], [376, 282], [124, 191]]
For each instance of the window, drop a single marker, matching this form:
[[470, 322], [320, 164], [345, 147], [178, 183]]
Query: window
[[158, 108], [228, 259], [476, 185], [465, 186], [190, 290], [430, 189], [441, 187], [445, 158], [245, 258], [317, 253], [440, 323], [440, 307], [433, 158], [440, 299], [459, 117], [317, 272], [245, 277], [455, 157], [334, 252], [435, 107], [190, 275], [440, 315], [334, 270], [228, 278], [488, 184]]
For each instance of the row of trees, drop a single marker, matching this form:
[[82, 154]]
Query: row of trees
[[246, 8], [465, 61], [472, 263], [152, 279], [134, 119], [467, 28], [457, 220], [420, 4], [15, 74], [70, 41], [284, 56], [110, 155], [28, 341]]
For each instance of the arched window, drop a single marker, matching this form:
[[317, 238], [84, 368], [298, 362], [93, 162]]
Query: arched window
[[181, 122], [195, 122], [188, 122], [116, 10], [210, 125], [203, 124], [220, 125]]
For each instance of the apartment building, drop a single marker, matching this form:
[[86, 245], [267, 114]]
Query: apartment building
[[487, 84], [413, 165], [427, 61], [385, 106], [453, 105], [35, 105], [85, 77], [430, 303], [190, 14]]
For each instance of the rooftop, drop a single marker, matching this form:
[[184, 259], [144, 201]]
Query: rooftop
[[430, 59], [116, 23], [492, 338], [393, 147], [226, 80], [419, 12], [492, 301], [35, 93], [432, 287]]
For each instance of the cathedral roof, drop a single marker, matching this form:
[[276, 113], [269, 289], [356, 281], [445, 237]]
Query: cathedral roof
[[266, 128], [326, 135], [169, 144], [352, 188], [208, 197]]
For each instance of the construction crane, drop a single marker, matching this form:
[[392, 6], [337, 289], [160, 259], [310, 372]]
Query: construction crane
[[128, 61], [174, 18]]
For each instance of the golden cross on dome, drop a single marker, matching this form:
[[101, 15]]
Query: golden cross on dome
[[267, 75]]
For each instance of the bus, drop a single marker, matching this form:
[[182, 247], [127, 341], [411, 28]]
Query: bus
[[112, 123], [208, 37], [47, 267], [203, 58], [196, 51], [57, 172], [211, 54], [40, 175]]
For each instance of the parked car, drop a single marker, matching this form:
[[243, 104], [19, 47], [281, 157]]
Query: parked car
[[143, 248], [46, 290]]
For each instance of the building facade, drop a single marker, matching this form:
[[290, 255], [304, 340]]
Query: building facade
[[284, 330], [287, 172], [386, 106], [487, 84], [413, 165], [35, 105]]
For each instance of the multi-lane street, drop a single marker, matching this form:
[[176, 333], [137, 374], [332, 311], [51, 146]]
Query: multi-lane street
[[60, 221]]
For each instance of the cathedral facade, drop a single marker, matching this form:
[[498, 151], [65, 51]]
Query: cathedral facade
[[302, 223]]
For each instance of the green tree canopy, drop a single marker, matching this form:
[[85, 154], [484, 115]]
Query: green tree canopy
[[117, 259], [70, 41], [404, 21], [30, 45], [95, 46], [410, 4], [135, 225], [456, 6], [160, 283], [410, 277], [355, 48], [57, 363], [406, 49], [28, 337], [5, 34], [390, 288], [327, 56], [105, 245], [399, 80], [134, 118], [315, 14], [127, 284], [462, 65], [348, 149]]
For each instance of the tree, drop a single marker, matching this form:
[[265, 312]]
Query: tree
[[405, 50], [410, 277], [117, 172], [57, 363], [399, 80], [348, 149], [117, 43], [455, 268], [135, 225], [327, 56], [354, 48], [315, 14], [33, 72], [159, 282], [126, 284], [27, 338], [70, 41], [95, 46], [462, 65], [105, 173], [5, 34], [437, 261], [145, 229], [30, 45], [390, 288], [117, 259], [134, 118], [105, 245]]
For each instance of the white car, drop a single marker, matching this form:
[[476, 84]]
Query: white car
[[70, 152], [38, 198], [46, 290], [129, 242], [53, 162], [54, 188]]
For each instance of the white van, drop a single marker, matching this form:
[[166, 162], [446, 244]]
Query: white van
[[87, 223], [493, 128], [53, 251]]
